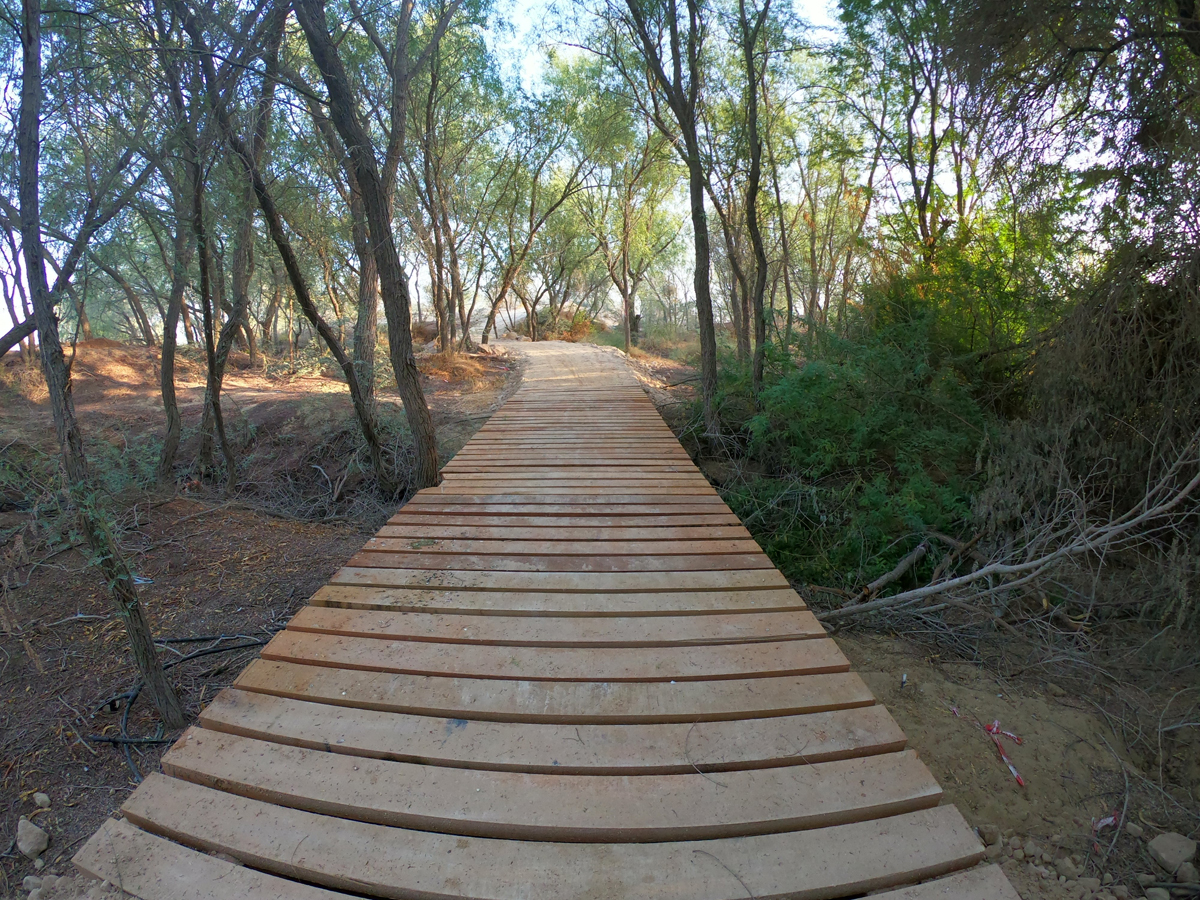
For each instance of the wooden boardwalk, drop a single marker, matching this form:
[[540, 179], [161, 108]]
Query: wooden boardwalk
[[567, 672]]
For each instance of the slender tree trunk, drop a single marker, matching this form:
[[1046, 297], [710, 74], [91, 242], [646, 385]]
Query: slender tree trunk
[[212, 387], [392, 281], [364, 410], [366, 326], [701, 283], [139, 318], [179, 276], [104, 547], [17, 334], [749, 42]]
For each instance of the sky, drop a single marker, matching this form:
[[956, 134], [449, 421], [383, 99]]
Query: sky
[[521, 48]]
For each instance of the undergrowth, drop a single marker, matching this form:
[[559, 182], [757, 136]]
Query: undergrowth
[[856, 453]]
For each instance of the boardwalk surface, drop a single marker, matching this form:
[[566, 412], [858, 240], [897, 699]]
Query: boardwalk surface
[[567, 672]]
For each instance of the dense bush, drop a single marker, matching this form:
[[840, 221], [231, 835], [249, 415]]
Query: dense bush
[[865, 446]]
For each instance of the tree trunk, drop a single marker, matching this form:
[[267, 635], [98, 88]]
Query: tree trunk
[[701, 283], [212, 391], [17, 334], [140, 319], [366, 326], [181, 262], [392, 281], [104, 548], [749, 41]]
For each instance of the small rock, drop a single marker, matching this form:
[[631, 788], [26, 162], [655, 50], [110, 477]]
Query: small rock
[[1171, 850], [1158, 894], [1187, 874], [42, 800], [1066, 868], [1106, 879], [1018, 854], [1032, 850], [1014, 842], [1145, 878], [1047, 858], [994, 852], [1054, 690], [1092, 884], [1133, 829], [49, 883], [989, 834], [1120, 892], [31, 883], [39, 864], [36, 894], [31, 840], [1105, 895]]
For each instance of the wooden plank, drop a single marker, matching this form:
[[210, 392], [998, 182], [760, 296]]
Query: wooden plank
[[391, 559], [642, 749], [560, 547], [774, 659], [571, 442], [540, 631], [600, 471], [565, 490], [434, 517], [566, 582], [695, 501], [154, 868], [535, 807], [979, 883], [646, 536], [601, 503], [560, 702], [393, 862], [572, 506], [637, 485], [544, 452], [535, 603]]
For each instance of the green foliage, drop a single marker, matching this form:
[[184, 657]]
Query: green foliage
[[870, 443]]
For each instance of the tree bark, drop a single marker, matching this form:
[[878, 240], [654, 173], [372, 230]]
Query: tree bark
[[105, 551], [181, 262], [393, 283], [17, 334], [135, 304], [682, 98], [212, 385], [749, 42], [242, 263]]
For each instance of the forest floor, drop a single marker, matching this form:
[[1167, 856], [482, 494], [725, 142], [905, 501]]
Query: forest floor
[[218, 572], [230, 573]]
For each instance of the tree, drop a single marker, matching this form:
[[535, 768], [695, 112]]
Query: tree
[[624, 202], [360, 150], [116, 187], [669, 51]]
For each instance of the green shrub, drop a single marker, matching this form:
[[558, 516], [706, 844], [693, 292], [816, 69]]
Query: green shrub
[[866, 446]]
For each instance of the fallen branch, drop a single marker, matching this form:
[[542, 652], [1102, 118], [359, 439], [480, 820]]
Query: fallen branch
[[1159, 501], [901, 567]]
